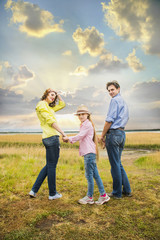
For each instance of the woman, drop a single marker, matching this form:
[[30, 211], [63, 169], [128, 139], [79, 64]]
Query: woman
[[45, 110]]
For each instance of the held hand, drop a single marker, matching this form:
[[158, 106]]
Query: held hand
[[101, 140], [65, 139]]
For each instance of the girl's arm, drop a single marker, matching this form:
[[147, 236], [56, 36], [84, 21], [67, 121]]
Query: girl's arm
[[83, 132]]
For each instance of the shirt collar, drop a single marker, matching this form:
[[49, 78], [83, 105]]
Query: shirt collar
[[117, 95], [84, 123]]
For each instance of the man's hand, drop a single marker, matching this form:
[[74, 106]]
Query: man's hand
[[101, 140]]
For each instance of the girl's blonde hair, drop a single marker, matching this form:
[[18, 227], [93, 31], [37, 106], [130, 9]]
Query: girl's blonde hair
[[95, 140]]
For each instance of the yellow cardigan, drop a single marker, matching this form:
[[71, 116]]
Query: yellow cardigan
[[46, 115]]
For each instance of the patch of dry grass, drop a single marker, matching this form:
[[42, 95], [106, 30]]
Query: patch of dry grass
[[139, 138]]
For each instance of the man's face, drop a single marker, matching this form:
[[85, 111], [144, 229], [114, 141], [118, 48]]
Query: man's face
[[113, 91]]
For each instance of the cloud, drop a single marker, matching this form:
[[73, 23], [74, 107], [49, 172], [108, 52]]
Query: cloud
[[67, 53], [136, 20], [145, 92], [33, 20], [93, 97], [79, 71], [89, 40], [134, 62], [13, 78], [107, 62], [12, 103], [22, 77]]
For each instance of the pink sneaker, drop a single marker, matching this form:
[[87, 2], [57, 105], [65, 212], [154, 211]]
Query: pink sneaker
[[102, 200], [86, 200]]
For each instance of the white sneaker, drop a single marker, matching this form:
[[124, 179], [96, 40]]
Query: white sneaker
[[102, 200], [86, 200], [56, 196], [32, 194]]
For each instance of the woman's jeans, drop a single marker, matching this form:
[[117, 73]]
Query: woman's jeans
[[91, 172], [52, 146], [115, 140]]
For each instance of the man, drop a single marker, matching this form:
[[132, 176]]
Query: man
[[113, 130]]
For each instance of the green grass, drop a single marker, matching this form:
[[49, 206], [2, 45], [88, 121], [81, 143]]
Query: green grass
[[148, 162], [23, 218]]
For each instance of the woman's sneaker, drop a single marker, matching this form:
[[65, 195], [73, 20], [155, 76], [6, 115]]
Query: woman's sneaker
[[102, 200], [32, 194], [56, 196], [86, 200]]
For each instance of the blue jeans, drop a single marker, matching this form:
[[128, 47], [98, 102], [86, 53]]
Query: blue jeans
[[52, 146], [115, 140], [91, 172]]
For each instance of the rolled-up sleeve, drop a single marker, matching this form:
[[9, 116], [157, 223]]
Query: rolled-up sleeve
[[44, 112], [112, 112], [59, 106]]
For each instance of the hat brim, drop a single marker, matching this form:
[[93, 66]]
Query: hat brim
[[80, 112]]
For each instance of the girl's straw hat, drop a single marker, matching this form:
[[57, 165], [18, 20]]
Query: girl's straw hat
[[82, 109]]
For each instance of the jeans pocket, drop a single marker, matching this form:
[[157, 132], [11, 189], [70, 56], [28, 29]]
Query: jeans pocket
[[117, 139], [51, 141]]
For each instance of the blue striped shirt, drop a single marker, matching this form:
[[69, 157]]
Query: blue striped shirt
[[118, 112]]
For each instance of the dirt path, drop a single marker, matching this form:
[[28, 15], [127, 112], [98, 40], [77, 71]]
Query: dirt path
[[129, 156]]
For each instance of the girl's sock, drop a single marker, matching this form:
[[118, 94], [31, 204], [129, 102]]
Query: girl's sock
[[104, 195]]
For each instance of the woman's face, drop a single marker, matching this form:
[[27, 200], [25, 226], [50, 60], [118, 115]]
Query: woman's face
[[82, 117], [50, 97]]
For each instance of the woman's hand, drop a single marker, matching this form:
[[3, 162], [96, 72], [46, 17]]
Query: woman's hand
[[65, 139]]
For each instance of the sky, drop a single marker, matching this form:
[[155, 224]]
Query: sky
[[75, 47]]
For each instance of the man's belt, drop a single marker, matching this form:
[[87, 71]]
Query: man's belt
[[121, 128]]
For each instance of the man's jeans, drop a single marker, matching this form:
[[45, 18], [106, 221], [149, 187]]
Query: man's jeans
[[52, 146], [91, 172], [115, 140]]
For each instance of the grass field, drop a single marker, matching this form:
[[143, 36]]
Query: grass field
[[22, 218]]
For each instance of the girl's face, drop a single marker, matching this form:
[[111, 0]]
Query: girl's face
[[82, 117], [50, 97]]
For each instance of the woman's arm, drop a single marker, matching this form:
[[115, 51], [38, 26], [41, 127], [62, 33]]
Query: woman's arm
[[55, 126], [60, 105]]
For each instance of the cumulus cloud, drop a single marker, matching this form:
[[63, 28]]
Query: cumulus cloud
[[145, 92], [89, 40], [136, 20], [13, 78], [79, 71], [12, 103], [33, 20], [144, 105], [93, 97], [134, 62], [22, 77], [107, 62], [67, 53]]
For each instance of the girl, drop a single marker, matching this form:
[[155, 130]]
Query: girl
[[45, 110], [88, 149]]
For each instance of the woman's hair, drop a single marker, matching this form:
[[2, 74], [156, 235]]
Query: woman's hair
[[45, 94], [94, 136]]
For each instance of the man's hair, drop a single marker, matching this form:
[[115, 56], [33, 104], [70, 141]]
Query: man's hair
[[115, 83]]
